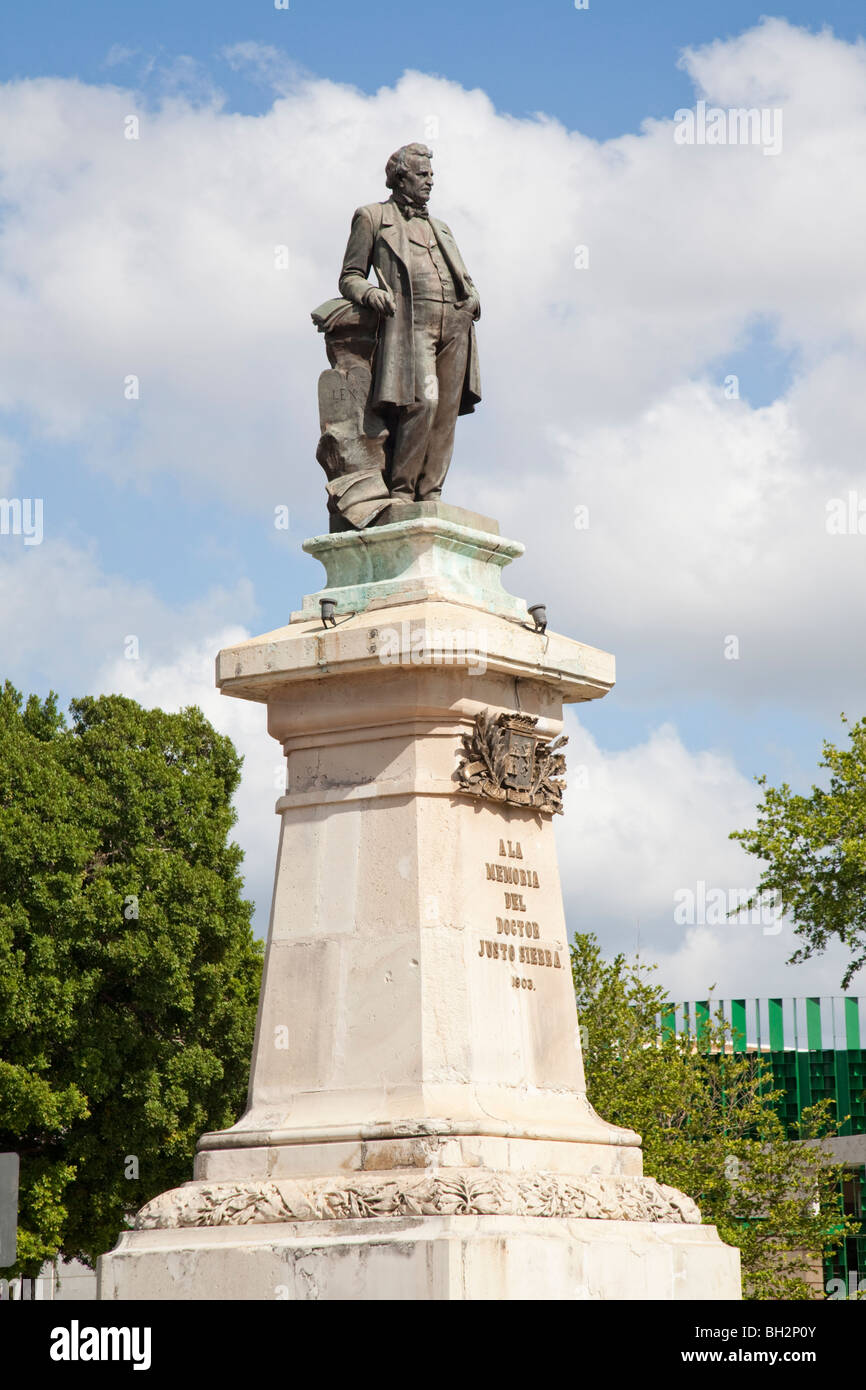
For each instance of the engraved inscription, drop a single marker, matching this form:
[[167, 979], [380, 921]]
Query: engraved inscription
[[539, 955], [524, 955], [504, 873], [497, 950], [517, 952], [513, 926], [548, 956]]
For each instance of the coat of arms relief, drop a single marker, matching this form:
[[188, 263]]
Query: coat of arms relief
[[505, 759]]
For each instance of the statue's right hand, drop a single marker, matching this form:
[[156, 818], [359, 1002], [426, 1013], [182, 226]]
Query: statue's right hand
[[382, 301]]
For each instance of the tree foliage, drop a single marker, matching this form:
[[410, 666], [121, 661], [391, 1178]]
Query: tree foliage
[[709, 1125], [129, 974], [815, 848]]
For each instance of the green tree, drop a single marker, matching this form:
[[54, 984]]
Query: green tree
[[709, 1125], [129, 974], [815, 848]]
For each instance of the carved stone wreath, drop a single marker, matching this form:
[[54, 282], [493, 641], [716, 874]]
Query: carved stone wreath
[[457, 1193], [503, 759]]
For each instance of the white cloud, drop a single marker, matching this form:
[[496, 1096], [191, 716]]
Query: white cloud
[[63, 619], [119, 55], [776, 61], [642, 822], [155, 257], [651, 824], [741, 963], [65, 624], [10, 460], [651, 818], [708, 520], [270, 67]]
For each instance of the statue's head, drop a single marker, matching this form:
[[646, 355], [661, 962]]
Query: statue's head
[[409, 175]]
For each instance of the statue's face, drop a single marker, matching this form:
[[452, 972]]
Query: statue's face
[[418, 182]]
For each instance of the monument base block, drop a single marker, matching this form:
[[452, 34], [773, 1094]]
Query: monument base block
[[417, 1124], [425, 1258]]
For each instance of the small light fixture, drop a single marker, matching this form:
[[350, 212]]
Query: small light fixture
[[538, 614], [328, 607]]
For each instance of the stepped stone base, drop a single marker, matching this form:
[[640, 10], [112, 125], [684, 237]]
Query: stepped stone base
[[417, 1125], [425, 1258], [422, 1233]]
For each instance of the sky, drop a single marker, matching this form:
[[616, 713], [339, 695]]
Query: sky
[[672, 337]]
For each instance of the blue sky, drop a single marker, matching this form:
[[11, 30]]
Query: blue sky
[[602, 70], [263, 126]]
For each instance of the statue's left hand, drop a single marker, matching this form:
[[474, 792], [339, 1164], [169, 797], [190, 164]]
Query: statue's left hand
[[472, 304]]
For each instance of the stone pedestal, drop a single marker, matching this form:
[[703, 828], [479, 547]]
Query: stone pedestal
[[417, 1124]]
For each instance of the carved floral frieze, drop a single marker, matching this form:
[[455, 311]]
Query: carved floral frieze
[[404, 1193]]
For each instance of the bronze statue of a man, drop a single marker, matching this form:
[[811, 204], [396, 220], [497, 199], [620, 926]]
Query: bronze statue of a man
[[403, 352], [426, 362]]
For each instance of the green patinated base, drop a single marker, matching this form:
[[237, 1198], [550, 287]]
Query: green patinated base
[[433, 552]]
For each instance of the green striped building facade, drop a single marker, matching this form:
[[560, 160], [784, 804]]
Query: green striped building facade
[[815, 1049]]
